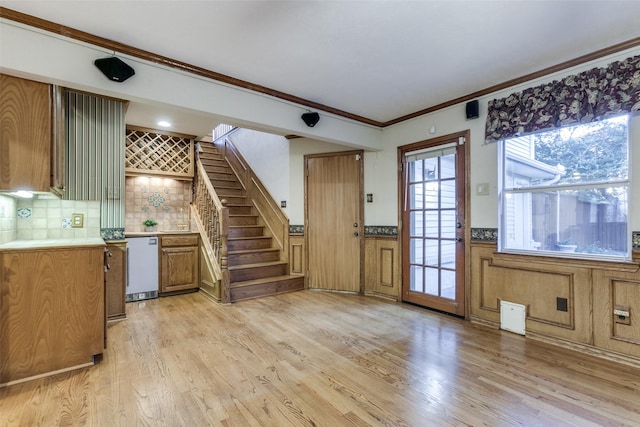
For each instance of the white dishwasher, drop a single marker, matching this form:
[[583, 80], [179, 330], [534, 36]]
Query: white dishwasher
[[142, 268]]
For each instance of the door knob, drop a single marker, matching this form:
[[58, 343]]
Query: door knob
[[356, 234], [355, 224], [458, 225], [458, 239]]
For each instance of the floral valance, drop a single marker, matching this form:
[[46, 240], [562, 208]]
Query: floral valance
[[581, 98]]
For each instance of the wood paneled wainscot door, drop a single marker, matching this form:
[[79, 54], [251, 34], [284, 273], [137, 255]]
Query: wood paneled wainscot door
[[334, 216]]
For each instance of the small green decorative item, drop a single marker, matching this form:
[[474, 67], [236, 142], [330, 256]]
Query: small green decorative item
[[150, 224]]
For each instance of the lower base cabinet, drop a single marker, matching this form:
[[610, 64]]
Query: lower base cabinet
[[116, 280], [51, 310], [179, 263]]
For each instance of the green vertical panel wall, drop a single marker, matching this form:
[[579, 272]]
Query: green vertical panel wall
[[95, 132]]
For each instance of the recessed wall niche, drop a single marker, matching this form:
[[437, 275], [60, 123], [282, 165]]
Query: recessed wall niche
[[165, 200]]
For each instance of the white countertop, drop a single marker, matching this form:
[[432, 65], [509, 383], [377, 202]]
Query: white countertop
[[156, 233], [52, 243]]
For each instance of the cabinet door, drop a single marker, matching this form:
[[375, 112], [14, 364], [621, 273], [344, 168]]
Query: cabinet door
[[116, 281], [51, 310], [179, 269], [25, 134]]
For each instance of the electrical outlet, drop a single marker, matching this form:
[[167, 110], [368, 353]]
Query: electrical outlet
[[622, 314], [77, 220]]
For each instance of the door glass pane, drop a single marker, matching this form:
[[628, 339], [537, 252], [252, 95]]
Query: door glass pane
[[448, 194], [417, 223], [431, 199], [431, 226], [431, 281], [416, 279], [448, 166], [448, 224], [448, 254], [431, 169], [415, 171], [416, 196], [448, 283], [417, 251], [431, 253]]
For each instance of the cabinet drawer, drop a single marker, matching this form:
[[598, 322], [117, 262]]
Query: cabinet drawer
[[189, 240]]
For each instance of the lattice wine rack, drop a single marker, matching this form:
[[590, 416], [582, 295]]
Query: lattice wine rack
[[167, 154]]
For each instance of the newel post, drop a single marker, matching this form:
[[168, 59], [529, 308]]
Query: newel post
[[224, 267]]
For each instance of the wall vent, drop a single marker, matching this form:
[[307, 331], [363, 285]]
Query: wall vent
[[512, 317]]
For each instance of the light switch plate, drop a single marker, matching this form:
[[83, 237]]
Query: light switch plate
[[482, 189], [77, 220]]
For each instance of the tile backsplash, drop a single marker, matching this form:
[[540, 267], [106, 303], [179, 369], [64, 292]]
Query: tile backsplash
[[165, 200], [47, 217], [8, 213]]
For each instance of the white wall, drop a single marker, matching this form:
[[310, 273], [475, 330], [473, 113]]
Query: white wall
[[484, 164], [268, 155], [380, 168], [36, 54]]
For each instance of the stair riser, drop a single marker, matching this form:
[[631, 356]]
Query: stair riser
[[226, 183], [224, 177], [234, 200], [257, 272], [265, 289], [246, 232], [230, 192], [206, 158], [240, 210], [243, 220], [253, 258], [239, 245], [217, 169]]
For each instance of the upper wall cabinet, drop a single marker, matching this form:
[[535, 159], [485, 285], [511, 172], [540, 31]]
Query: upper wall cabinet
[[151, 152], [26, 130]]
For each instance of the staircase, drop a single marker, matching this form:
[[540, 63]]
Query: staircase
[[255, 266]]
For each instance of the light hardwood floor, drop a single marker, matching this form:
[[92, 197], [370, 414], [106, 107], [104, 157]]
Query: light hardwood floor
[[312, 358]]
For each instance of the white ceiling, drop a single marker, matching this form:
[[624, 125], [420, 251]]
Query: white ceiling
[[377, 59]]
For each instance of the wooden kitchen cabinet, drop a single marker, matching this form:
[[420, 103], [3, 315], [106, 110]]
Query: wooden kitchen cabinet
[[26, 132], [179, 263], [51, 310], [115, 280]]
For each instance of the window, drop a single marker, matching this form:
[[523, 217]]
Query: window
[[566, 192]]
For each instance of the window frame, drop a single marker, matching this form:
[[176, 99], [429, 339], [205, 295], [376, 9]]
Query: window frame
[[504, 191]]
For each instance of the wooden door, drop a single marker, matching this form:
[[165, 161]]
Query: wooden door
[[433, 205], [333, 223]]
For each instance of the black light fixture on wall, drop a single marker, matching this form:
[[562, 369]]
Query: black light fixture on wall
[[114, 68], [310, 119]]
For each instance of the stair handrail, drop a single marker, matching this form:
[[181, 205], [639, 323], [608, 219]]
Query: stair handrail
[[213, 216]]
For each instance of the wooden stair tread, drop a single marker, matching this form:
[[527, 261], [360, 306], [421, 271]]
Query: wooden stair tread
[[263, 280], [249, 237], [251, 251], [256, 265]]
